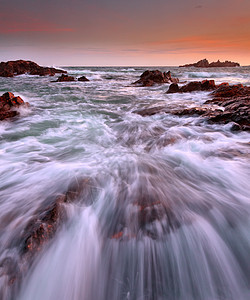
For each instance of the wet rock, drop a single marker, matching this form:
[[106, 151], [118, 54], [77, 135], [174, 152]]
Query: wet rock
[[173, 88], [226, 91], [149, 78], [8, 105], [205, 64], [83, 78], [205, 85], [18, 67], [150, 111], [42, 228], [65, 78], [191, 111]]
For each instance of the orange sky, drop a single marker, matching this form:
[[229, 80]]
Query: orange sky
[[138, 32]]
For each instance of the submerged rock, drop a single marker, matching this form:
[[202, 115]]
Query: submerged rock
[[44, 226], [149, 78], [18, 67], [8, 105], [65, 78], [205, 64]]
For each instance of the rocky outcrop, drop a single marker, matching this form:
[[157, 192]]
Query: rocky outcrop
[[205, 85], [149, 78], [205, 64], [65, 78], [234, 99], [18, 67], [83, 78], [8, 105]]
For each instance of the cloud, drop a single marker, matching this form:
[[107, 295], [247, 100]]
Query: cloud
[[26, 23]]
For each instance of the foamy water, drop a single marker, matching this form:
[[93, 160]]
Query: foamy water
[[191, 241]]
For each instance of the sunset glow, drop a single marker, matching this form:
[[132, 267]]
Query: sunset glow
[[136, 32]]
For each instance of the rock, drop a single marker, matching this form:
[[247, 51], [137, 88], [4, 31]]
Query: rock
[[18, 67], [226, 91], [191, 111], [173, 88], [43, 227], [65, 78], [193, 86], [8, 104], [150, 111], [236, 102], [149, 78], [83, 78], [205, 64]]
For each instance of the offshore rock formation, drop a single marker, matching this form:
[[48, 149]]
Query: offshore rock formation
[[149, 78], [8, 105], [18, 67], [205, 64]]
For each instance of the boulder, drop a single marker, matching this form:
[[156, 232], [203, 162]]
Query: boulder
[[18, 67], [8, 105], [83, 78], [65, 78], [205, 64], [173, 88], [149, 78]]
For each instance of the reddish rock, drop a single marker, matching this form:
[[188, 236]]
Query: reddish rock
[[65, 78], [42, 228], [8, 105], [205, 64], [149, 78], [226, 91], [83, 78], [205, 85], [18, 67]]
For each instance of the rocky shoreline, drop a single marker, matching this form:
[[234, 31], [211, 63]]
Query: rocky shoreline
[[19, 67], [234, 101]]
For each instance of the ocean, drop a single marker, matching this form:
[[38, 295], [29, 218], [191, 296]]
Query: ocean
[[168, 212]]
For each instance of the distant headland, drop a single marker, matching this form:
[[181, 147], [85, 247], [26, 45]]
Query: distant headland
[[204, 63]]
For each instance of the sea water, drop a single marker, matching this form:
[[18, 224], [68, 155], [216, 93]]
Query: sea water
[[195, 176]]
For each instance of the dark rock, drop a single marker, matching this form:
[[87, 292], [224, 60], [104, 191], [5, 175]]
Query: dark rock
[[205, 64], [193, 86], [236, 127], [149, 78], [18, 67], [150, 111], [65, 78], [173, 88], [83, 78], [8, 105]]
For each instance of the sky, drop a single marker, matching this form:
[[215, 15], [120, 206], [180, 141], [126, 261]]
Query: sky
[[125, 32]]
